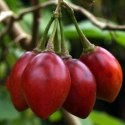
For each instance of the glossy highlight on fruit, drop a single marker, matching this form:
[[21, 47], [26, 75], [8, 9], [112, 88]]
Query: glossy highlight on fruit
[[45, 84], [107, 72], [15, 81], [82, 95]]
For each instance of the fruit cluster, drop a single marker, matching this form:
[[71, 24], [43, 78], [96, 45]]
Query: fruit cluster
[[45, 81]]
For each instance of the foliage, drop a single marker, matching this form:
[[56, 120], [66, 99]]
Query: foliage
[[9, 53], [91, 31], [8, 115]]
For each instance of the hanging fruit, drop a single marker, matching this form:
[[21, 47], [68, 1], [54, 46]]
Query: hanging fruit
[[15, 81], [48, 78], [82, 95], [104, 66], [107, 72]]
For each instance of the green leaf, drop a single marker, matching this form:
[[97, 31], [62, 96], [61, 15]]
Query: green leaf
[[86, 121], [102, 118], [92, 31], [14, 54], [120, 37], [89, 30], [12, 4], [3, 70], [46, 15], [57, 116], [7, 110], [17, 52], [26, 23], [26, 121]]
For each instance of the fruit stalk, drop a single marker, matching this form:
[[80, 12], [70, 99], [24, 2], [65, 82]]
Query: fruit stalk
[[50, 44], [57, 48], [58, 6], [64, 50], [41, 44], [87, 46]]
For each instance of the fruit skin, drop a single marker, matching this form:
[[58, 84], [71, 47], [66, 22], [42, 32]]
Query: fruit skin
[[107, 72], [15, 81], [82, 95], [45, 84]]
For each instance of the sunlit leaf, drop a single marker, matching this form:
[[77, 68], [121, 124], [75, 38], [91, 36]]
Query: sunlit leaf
[[91, 31], [17, 52], [86, 121], [14, 54], [13, 4], [3, 70], [26, 23], [102, 118], [46, 16], [57, 116]]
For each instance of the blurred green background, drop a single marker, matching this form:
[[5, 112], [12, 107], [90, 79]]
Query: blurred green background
[[103, 113]]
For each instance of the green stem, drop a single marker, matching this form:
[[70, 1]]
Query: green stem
[[87, 46], [50, 44], [57, 48], [41, 44], [58, 7], [64, 50]]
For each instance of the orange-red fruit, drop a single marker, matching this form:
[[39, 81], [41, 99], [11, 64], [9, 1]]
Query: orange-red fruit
[[82, 95], [45, 84], [15, 81], [107, 72]]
